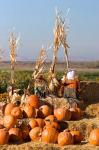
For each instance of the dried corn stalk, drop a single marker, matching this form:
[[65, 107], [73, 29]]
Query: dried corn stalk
[[53, 84], [39, 66], [13, 44], [60, 36]]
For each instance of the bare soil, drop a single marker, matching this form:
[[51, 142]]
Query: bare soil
[[78, 65]]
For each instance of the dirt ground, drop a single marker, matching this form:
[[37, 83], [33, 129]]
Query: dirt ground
[[79, 66], [89, 121]]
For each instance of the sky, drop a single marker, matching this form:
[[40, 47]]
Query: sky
[[34, 21]]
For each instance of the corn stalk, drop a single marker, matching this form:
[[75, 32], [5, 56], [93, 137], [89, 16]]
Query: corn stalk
[[39, 66], [60, 36], [13, 44]]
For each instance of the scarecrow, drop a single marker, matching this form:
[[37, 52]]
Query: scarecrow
[[71, 87]]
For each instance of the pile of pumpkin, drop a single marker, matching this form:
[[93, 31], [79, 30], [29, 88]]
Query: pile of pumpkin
[[39, 123]]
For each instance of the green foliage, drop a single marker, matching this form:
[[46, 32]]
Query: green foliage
[[22, 78], [4, 80], [87, 76]]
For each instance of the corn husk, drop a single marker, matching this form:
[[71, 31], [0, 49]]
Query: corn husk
[[51, 86], [15, 97], [39, 66], [63, 79]]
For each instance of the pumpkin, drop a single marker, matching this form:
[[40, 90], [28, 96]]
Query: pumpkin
[[8, 109], [94, 137], [54, 124], [29, 111], [35, 134], [62, 114], [33, 123], [65, 138], [77, 136], [44, 111], [49, 135], [40, 122], [4, 136], [16, 112], [15, 135], [9, 121], [33, 101], [50, 118], [75, 113]]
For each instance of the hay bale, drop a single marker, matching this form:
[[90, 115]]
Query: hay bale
[[55, 102], [90, 92]]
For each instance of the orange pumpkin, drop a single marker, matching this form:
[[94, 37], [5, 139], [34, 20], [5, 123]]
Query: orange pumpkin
[[33, 123], [44, 111], [49, 135], [33, 101], [75, 113], [40, 122], [65, 138], [94, 137], [8, 109], [15, 135], [4, 136], [62, 114], [50, 118], [16, 112], [53, 124], [35, 134], [29, 111], [9, 121], [77, 136]]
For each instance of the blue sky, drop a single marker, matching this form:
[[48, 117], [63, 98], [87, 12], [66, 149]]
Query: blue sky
[[34, 20]]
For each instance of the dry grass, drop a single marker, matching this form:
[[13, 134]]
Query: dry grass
[[44, 146]]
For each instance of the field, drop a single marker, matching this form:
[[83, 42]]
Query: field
[[88, 74], [87, 71]]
